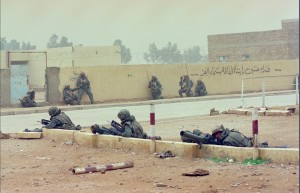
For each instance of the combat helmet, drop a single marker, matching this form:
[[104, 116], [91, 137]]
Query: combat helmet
[[217, 128], [31, 91], [123, 114], [53, 111], [82, 74], [67, 87], [96, 129]]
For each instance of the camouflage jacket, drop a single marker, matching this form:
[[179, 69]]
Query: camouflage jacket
[[154, 84], [200, 87], [61, 121], [132, 127], [83, 82], [69, 95], [234, 138]]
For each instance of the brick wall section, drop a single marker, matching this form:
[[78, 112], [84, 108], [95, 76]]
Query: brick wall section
[[280, 44]]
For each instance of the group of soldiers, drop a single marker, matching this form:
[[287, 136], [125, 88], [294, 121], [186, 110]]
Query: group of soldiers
[[185, 84], [83, 86], [129, 127]]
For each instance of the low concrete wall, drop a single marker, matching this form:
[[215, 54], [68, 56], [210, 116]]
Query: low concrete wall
[[126, 82], [237, 153], [281, 155], [29, 135], [187, 150], [59, 135]]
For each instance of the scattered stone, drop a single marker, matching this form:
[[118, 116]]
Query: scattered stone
[[68, 143], [230, 160], [4, 135], [160, 185], [214, 112]]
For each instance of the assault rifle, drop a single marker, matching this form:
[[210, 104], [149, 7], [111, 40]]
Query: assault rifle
[[116, 125], [181, 82], [103, 130], [203, 138], [44, 121]]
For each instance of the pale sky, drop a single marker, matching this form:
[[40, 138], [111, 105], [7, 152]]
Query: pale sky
[[139, 22]]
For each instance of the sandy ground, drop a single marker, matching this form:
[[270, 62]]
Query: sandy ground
[[45, 166]]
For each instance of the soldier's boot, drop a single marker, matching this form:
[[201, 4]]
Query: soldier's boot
[[38, 130], [26, 130]]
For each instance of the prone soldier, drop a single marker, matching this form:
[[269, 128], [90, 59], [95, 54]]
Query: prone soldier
[[58, 120], [129, 127]]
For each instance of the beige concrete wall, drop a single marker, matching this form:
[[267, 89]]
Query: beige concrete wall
[[84, 56], [37, 67], [4, 61], [131, 81], [5, 87]]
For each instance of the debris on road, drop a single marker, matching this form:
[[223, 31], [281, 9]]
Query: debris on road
[[214, 112], [102, 168], [165, 154], [4, 135], [197, 172]]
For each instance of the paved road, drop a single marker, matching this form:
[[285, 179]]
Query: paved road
[[15, 123]]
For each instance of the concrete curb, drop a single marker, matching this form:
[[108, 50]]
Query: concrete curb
[[29, 135], [260, 112], [44, 109], [187, 150]]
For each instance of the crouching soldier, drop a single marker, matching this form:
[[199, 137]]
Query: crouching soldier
[[129, 127], [186, 85], [155, 87], [28, 100], [69, 97], [58, 120], [200, 89]]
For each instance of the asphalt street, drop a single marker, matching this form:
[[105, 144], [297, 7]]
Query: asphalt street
[[15, 123]]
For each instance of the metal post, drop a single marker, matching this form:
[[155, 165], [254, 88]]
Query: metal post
[[297, 89], [242, 94], [255, 133], [152, 128], [263, 92], [152, 119]]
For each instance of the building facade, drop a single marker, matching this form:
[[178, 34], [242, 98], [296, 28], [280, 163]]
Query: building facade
[[282, 44]]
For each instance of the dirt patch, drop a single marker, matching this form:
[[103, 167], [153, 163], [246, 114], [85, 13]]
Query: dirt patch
[[42, 165]]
